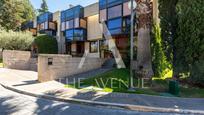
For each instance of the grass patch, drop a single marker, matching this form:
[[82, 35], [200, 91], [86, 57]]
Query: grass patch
[[117, 80]]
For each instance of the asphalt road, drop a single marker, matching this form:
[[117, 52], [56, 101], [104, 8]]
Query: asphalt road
[[12, 103]]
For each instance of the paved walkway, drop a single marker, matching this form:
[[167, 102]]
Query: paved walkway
[[27, 81], [12, 103]]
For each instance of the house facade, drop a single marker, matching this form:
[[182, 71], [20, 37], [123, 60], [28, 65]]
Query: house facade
[[80, 29]]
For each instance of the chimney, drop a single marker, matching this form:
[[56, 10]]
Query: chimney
[[71, 6]]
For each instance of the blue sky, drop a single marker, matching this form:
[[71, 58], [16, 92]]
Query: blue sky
[[55, 5]]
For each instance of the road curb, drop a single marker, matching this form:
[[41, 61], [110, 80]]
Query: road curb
[[106, 104]]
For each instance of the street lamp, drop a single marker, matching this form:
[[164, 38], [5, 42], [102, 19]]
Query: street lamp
[[132, 5]]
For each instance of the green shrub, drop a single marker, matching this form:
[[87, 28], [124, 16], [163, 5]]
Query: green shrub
[[159, 60], [15, 40], [46, 44]]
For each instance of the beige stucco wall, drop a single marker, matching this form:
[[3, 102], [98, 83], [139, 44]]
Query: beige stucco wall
[[19, 60], [94, 30], [63, 66], [92, 9], [60, 38]]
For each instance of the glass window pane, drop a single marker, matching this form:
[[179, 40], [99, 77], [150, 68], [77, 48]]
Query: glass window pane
[[114, 2], [78, 32], [94, 47], [102, 4], [116, 23], [70, 24], [52, 26], [69, 33], [82, 23], [126, 24], [63, 26], [115, 31], [115, 12], [103, 15], [104, 45], [46, 25], [126, 10], [76, 22]]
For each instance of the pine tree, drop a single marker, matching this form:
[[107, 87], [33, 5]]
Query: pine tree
[[44, 7]]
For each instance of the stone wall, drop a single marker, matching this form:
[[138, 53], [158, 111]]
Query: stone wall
[[64, 65], [21, 60]]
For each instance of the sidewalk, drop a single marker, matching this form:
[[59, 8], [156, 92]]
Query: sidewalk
[[26, 82]]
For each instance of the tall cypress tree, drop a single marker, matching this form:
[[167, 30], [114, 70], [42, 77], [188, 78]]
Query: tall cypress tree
[[189, 45], [168, 24], [44, 7]]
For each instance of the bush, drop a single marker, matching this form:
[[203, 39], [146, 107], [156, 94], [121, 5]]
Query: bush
[[46, 44], [15, 40], [159, 60]]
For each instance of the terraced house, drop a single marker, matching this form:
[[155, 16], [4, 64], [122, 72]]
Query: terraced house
[[79, 29]]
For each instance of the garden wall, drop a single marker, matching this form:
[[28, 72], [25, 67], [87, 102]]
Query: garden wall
[[52, 67], [21, 60]]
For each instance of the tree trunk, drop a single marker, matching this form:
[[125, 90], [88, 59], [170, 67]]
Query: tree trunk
[[144, 61]]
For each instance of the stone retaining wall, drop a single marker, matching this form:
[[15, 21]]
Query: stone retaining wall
[[21, 60], [52, 67]]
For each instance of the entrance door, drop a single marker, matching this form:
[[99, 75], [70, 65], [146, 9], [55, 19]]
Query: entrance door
[[80, 49], [68, 48]]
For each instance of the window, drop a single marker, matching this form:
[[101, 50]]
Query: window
[[63, 16], [70, 24], [76, 22], [69, 14], [115, 12], [46, 25], [69, 34], [102, 4], [115, 26], [103, 15], [113, 2], [126, 10], [52, 26], [75, 34], [44, 17], [126, 24], [63, 26], [82, 23], [104, 45], [94, 47], [78, 32], [116, 23]]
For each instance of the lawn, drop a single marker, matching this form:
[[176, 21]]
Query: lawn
[[117, 81]]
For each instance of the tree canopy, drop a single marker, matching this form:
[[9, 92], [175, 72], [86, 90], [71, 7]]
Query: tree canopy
[[14, 12], [44, 7]]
